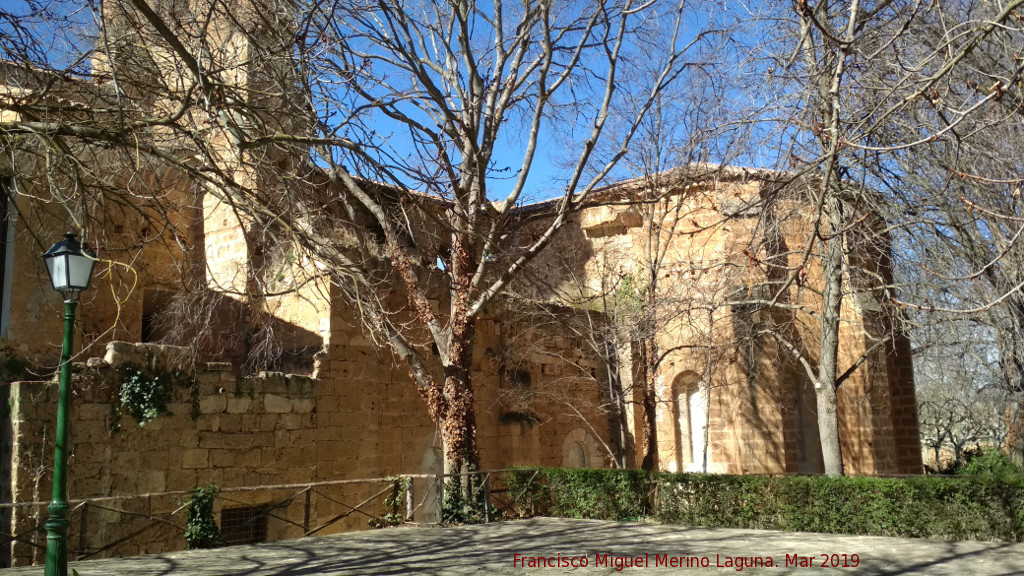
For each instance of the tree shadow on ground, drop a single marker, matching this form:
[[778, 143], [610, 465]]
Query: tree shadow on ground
[[492, 549]]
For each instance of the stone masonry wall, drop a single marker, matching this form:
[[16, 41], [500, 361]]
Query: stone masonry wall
[[233, 432], [360, 418], [762, 416], [374, 423]]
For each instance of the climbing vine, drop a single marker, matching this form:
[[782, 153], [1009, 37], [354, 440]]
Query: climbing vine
[[394, 503], [201, 529], [463, 500], [145, 394]]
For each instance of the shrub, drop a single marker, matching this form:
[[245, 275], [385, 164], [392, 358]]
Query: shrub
[[983, 508], [988, 462], [464, 500], [145, 393], [581, 493]]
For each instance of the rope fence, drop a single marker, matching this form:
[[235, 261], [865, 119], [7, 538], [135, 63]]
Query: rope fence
[[155, 522]]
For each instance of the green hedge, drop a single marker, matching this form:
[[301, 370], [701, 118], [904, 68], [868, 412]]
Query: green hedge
[[923, 507], [581, 492]]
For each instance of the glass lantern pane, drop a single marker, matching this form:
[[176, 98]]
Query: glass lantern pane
[[58, 272], [81, 269]]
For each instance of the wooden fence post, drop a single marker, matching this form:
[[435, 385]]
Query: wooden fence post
[[305, 512], [487, 498], [82, 529], [440, 497], [410, 500]]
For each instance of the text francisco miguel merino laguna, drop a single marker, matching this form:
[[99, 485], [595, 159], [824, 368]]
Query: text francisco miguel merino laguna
[[737, 563]]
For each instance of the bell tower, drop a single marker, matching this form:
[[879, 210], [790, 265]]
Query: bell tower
[[221, 78]]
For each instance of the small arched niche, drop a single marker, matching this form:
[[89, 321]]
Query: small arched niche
[[580, 450]]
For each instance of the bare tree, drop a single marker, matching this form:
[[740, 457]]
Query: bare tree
[[851, 71], [960, 397], [957, 197], [374, 137]]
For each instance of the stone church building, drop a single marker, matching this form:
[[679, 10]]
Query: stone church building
[[564, 366]]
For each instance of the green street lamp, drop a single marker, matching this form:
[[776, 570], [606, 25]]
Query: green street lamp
[[69, 265]]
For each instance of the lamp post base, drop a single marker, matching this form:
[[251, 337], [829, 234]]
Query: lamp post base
[[56, 540]]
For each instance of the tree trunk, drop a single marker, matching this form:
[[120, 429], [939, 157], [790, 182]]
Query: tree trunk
[[459, 424], [828, 429], [825, 386], [617, 424], [707, 390], [650, 402], [1010, 342]]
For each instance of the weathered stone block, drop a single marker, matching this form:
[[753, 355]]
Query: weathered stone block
[[90, 431], [182, 479], [208, 423], [221, 458], [272, 382], [146, 355], [153, 479], [213, 404], [290, 421], [89, 487], [121, 353], [277, 404], [250, 422], [239, 405], [247, 459], [126, 460], [261, 439], [195, 458], [226, 441], [187, 437], [217, 366], [91, 411], [182, 409], [93, 453], [231, 423], [299, 385], [293, 459]]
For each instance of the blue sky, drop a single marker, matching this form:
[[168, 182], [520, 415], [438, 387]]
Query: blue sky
[[548, 174], [543, 181], [66, 26]]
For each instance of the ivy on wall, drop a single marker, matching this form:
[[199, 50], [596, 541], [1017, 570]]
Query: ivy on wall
[[394, 504], [144, 394], [201, 529], [463, 501]]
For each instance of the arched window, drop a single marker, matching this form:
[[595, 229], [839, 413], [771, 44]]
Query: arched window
[[698, 422], [690, 421]]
